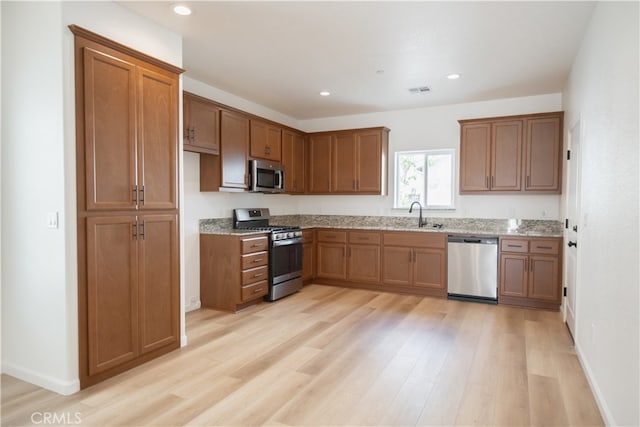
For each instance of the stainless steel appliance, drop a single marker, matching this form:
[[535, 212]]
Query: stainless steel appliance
[[285, 250], [473, 268], [266, 177]]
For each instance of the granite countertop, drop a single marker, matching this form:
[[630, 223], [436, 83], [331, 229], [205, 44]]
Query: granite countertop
[[474, 226]]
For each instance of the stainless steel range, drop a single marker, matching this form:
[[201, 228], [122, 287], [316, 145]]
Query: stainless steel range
[[285, 250]]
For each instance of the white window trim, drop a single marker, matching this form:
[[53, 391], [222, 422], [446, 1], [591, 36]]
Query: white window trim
[[435, 152]]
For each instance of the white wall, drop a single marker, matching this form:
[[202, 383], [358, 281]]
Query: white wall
[[39, 265], [602, 92]]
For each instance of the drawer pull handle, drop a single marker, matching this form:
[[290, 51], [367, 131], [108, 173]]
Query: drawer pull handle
[[257, 260], [545, 247], [255, 291], [256, 245], [258, 274], [514, 246]]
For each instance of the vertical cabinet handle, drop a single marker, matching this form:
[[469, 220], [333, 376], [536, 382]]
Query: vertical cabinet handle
[[142, 230], [486, 182], [528, 181], [142, 195], [135, 194], [135, 230], [493, 182], [192, 132]]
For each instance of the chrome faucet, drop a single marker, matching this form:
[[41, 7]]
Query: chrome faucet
[[420, 222]]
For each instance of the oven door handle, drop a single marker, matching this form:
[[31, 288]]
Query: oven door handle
[[287, 242]]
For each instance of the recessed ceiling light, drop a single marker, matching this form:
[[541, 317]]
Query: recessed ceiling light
[[325, 93], [453, 76], [181, 9]]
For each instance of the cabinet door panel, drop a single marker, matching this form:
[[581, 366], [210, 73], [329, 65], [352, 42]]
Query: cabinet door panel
[[112, 292], [308, 258], [202, 126], [364, 263], [293, 161], [331, 260], [265, 141], [513, 275], [110, 145], [543, 154], [344, 163], [544, 279], [397, 265], [475, 152], [157, 140], [429, 268], [369, 166], [319, 163], [234, 147], [506, 153], [159, 280]]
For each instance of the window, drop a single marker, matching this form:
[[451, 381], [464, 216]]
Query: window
[[425, 177]]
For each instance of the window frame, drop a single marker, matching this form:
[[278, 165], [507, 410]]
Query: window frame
[[426, 153]]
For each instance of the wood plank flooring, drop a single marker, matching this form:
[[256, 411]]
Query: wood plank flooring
[[333, 356]]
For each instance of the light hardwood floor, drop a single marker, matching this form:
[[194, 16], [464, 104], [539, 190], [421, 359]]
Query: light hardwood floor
[[333, 356]]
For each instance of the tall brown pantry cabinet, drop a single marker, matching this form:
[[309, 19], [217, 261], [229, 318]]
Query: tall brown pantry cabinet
[[127, 201]]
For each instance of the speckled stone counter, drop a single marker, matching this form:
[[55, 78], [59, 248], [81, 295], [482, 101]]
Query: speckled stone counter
[[473, 226]]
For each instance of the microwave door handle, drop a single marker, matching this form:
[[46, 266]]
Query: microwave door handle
[[279, 175]]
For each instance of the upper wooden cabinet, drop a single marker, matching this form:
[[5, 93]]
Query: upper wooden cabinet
[[347, 162], [266, 141], [293, 160], [201, 125], [511, 154], [130, 133], [228, 171]]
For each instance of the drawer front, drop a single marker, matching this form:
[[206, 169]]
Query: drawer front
[[307, 236], [255, 290], [331, 236], [255, 260], [551, 246], [364, 237], [254, 244], [416, 240], [254, 275], [514, 245]]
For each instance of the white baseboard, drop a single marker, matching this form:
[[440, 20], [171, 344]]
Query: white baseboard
[[54, 384], [600, 401], [183, 341], [192, 307]]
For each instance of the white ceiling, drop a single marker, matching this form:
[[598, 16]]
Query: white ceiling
[[282, 54]]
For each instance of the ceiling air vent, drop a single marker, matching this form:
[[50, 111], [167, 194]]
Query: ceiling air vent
[[421, 89]]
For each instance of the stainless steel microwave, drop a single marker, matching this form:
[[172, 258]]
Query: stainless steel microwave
[[266, 177]]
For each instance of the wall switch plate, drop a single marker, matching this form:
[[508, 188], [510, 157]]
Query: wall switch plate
[[52, 220]]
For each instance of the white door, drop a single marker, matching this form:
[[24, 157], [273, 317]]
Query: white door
[[571, 232]]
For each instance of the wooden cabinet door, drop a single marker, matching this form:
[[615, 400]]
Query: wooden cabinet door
[[331, 261], [543, 154], [397, 265], [364, 263], [112, 291], [544, 283], [369, 164], [429, 268], [157, 140], [234, 147], [110, 132], [475, 156], [513, 275], [201, 125], [308, 261], [265, 141], [293, 160], [344, 163], [506, 156], [319, 163], [159, 281]]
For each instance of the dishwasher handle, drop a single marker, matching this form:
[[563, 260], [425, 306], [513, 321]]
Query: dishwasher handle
[[474, 240]]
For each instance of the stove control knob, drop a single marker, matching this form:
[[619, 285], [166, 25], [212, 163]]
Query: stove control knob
[[290, 234], [298, 233], [277, 236]]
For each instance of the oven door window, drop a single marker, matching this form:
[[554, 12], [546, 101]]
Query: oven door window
[[286, 262]]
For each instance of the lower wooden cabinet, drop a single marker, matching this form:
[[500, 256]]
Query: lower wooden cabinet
[[308, 255], [530, 272], [133, 288], [415, 260], [233, 270], [331, 254], [363, 256]]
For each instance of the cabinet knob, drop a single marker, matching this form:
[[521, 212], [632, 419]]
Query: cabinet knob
[[574, 244]]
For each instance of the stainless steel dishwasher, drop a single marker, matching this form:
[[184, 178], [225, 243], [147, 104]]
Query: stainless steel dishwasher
[[473, 268]]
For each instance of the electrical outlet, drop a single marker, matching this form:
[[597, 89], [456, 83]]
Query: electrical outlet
[[52, 220]]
